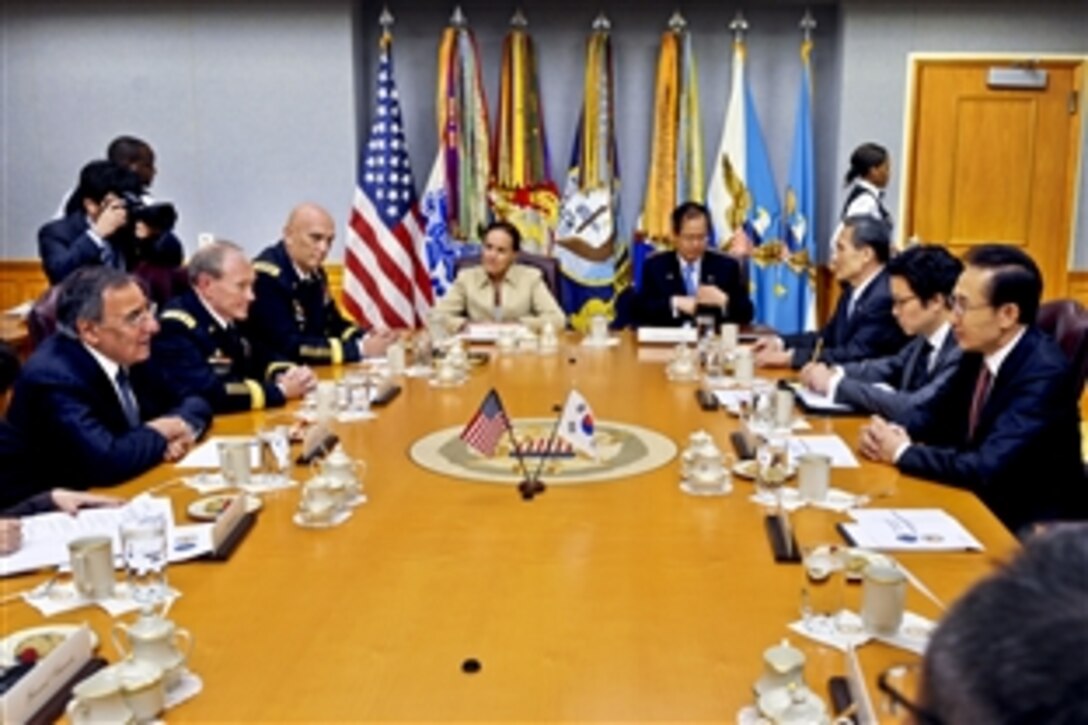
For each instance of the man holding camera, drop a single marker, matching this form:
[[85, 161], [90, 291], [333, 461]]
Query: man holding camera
[[92, 231]]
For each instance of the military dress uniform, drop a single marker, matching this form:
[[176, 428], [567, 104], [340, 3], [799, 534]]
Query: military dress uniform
[[202, 357], [296, 318]]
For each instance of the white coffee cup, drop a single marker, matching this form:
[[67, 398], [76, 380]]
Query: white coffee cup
[[883, 598], [326, 401], [730, 333], [142, 688], [813, 476], [598, 328], [234, 460], [744, 366], [99, 698], [92, 566], [783, 409]]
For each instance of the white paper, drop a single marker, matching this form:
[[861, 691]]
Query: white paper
[[847, 630], [837, 500], [490, 331], [909, 530], [666, 335], [206, 455], [21, 311], [46, 536], [913, 634], [829, 445], [818, 402], [64, 598]]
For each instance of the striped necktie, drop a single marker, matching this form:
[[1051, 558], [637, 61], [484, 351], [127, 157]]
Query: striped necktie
[[982, 391], [128, 398]]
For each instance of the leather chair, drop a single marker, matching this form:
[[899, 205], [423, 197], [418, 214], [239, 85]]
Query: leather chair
[[548, 266], [41, 322], [1066, 321]]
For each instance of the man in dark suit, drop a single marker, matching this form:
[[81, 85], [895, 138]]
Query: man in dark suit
[[201, 349], [294, 316], [863, 326], [678, 286], [1006, 425], [921, 280], [92, 231], [91, 410]]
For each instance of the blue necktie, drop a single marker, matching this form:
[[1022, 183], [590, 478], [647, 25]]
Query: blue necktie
[[690, 283], [128, 399]]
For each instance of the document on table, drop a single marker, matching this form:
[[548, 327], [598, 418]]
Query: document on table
[[46, 536], [829, 445], [909, 530], [206, 455], [491, 331], [817, 403], [665, 335]]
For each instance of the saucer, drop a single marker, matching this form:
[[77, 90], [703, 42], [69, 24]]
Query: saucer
[[691, 490], [457, 382], [747, 469], [209, 508], [356, 500], [607, 342], [336, 520], [43, 639]]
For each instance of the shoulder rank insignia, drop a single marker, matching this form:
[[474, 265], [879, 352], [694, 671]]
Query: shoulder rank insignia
[[181, 316], [266, 268]]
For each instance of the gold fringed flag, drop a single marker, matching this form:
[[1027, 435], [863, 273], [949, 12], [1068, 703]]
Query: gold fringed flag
[[454, 203], [594, 267], [676, 156], [522, 191]]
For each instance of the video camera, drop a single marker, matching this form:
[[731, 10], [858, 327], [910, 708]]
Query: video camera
[[161, 216]]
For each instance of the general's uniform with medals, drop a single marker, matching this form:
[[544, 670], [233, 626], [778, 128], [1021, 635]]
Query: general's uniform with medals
[[202, 357], [296, 318]]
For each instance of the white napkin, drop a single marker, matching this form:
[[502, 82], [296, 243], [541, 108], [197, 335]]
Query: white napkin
[[837, 500], [63, 597], [188, 686], [848, 630], [207, 483], [913, 634]]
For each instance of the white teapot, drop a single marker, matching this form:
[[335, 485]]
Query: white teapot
[[322, 498], [157, 641], [340, 466], [683, 365]]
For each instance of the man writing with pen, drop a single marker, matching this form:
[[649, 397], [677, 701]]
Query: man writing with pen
[[863, 325]]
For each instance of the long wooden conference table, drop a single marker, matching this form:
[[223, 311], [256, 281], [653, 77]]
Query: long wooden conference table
[[624, 600]]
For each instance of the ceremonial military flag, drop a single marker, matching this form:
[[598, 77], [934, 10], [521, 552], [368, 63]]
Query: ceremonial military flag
[[385, 282], [454, 201], [676, 155], [798, 221], [488, 423], [523, 192], [576, 424], [594, 265], [742, 195]]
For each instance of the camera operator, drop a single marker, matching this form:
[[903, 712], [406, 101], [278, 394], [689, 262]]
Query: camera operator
[[153, 221], [93, 231]]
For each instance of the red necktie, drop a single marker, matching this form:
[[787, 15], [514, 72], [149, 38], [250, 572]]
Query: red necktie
[[982, 389]]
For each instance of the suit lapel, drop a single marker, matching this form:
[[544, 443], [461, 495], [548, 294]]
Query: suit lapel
[[88, 369]]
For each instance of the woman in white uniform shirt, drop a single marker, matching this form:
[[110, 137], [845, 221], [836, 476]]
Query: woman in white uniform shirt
[[870, 169]]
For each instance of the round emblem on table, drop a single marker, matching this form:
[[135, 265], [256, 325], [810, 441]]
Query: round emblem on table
[[623, 449]]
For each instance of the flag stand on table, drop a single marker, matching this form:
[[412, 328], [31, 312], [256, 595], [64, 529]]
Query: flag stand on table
[[574, 426], [482, 434]]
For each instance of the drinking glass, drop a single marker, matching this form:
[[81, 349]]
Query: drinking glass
[[144, 550]]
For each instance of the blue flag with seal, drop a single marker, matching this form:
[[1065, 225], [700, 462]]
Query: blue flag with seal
[[799, 219]]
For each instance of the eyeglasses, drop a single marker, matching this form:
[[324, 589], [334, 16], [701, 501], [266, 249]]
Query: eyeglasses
[[900, 301], [891, 681], [960, 306], [140, 316]]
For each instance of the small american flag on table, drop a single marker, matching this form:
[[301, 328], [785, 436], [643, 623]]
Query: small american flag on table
[[487, 426]]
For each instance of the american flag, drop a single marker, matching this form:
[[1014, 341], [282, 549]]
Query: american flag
[[385, 283], [487, 425]]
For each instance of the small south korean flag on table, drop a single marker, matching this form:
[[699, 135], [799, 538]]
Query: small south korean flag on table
[[576, 424]]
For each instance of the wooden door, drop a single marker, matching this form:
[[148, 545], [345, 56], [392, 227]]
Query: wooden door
[[994, 164]]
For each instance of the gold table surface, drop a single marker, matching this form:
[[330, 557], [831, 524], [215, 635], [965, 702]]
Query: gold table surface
[[624, 600]]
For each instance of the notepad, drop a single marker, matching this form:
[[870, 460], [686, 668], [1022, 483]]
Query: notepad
[[665, 335], [908, 530]]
